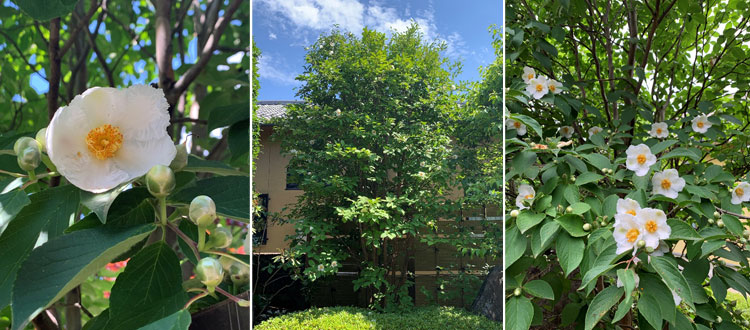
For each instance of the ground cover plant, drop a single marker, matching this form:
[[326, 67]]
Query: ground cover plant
[[627, 173]]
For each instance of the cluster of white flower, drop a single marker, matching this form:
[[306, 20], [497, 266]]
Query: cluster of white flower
[[637, 227], [538, 86], [517, 125]]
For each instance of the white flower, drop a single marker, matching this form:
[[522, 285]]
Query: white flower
[[321, 268], [701, 124], [525, 193], [655, 226], [566, 131], [628, 206], [517, 125], [741, 193], [635, 277], [594, 130], [330, 52], [667, 183], [334, 263], [107, 136], [537, 87], [628, 231], [528, 74], [421, 175], [659, 130], [554, 86], [337, 112], [639, 159]]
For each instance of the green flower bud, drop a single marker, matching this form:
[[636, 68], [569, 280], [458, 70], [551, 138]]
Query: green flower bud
[[586, 226], [649, 249], [180, 158], [603, 223], [221, 238], [202, 211], [23, 143], [569, 209], [30, 157], [239, 273], [514, 213], [720, 223], [641, 244], [560, 208], [717, 215], [226, 262], [711, 221], [209, 272], [718, 319], [517, 292], [746, 233], [41, 138], [160, 181]]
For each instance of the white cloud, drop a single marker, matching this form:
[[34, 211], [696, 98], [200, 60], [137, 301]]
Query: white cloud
[[272, 36], [270, 68]]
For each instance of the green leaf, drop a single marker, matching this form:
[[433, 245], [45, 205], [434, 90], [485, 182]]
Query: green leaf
[[569, 251], [580, 208], [663, 145], [100, 203], [527, 220], [627, 277], [177, 321], [11, 202], [44, 10], [733, 224], [576, 163], [238, 140], [228, 115], [573, 224], [652, 285], [681, 153], [682, 230], [649, 308], [719, 288], [594, 273], [673, 278], [601, 305], [49, 211], [149, 289], [230, 193], [598, 160], [539, 288], [519, 311], [530, 122], [516, 245], [588, 177], [196, 164], [65, 262]]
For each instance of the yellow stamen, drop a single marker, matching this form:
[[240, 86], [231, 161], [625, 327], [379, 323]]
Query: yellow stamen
[[665, 184], [739, 192], [632, 235], [539, 87], [516, 124], [529, 196], [104, 141], [658, 131], [651, 226], [641, 159], [700, 124], [631, 212], [551, 88], [530, 76]]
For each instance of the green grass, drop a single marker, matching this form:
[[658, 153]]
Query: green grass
[[345, 318]]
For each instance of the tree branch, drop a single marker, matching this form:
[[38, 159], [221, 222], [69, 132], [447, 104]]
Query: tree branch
[[84, 22]]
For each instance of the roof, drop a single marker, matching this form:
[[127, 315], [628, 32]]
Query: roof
[[270, 110]]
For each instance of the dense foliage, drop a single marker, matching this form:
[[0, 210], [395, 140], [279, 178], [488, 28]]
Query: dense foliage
[[426, 318], [626, 178], [122, 259]]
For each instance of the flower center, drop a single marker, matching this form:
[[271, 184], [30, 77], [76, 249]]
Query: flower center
[[641, 159], [516, 124], [658, 131], [539, 87], [529, 196], [700, 124], [651, 226], [632, 235], [104, 141], [631, 212], [739, 191], [552, 88], [665, 184], [530, 76]]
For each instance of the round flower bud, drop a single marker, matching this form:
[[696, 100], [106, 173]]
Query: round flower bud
[[23, 143], [641, 243], [560, 208], [718, 319], [221, 238], [30, 157], [569, 209], [717, 215], [514, 213], [180, 158], [586, 226], [202, 210], [603, 223], [226, 262], [649, 249], [572, 178], [160, 181], [41, 138], [711, 221], [517, 292], [720, 223], [239, 273], [746, 323], [209, 272]]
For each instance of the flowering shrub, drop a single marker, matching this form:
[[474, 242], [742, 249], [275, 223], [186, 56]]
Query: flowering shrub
[[626, 208]]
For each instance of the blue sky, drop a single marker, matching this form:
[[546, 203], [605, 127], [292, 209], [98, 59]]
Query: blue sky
[[282, 30]]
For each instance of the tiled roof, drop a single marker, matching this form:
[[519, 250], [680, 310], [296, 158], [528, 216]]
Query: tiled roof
[[269, 110]]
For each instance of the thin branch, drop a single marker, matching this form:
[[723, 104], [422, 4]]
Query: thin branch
[[84, 22], [20, 53]]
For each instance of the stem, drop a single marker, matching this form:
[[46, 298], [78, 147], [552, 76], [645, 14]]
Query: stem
[[198, 296], [17, 175], [187, 240], [32, 176], [228, 256], [163, 210], [228, 295], [201, 238]]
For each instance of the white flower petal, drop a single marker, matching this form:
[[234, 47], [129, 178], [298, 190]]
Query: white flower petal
[[136, 157]]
